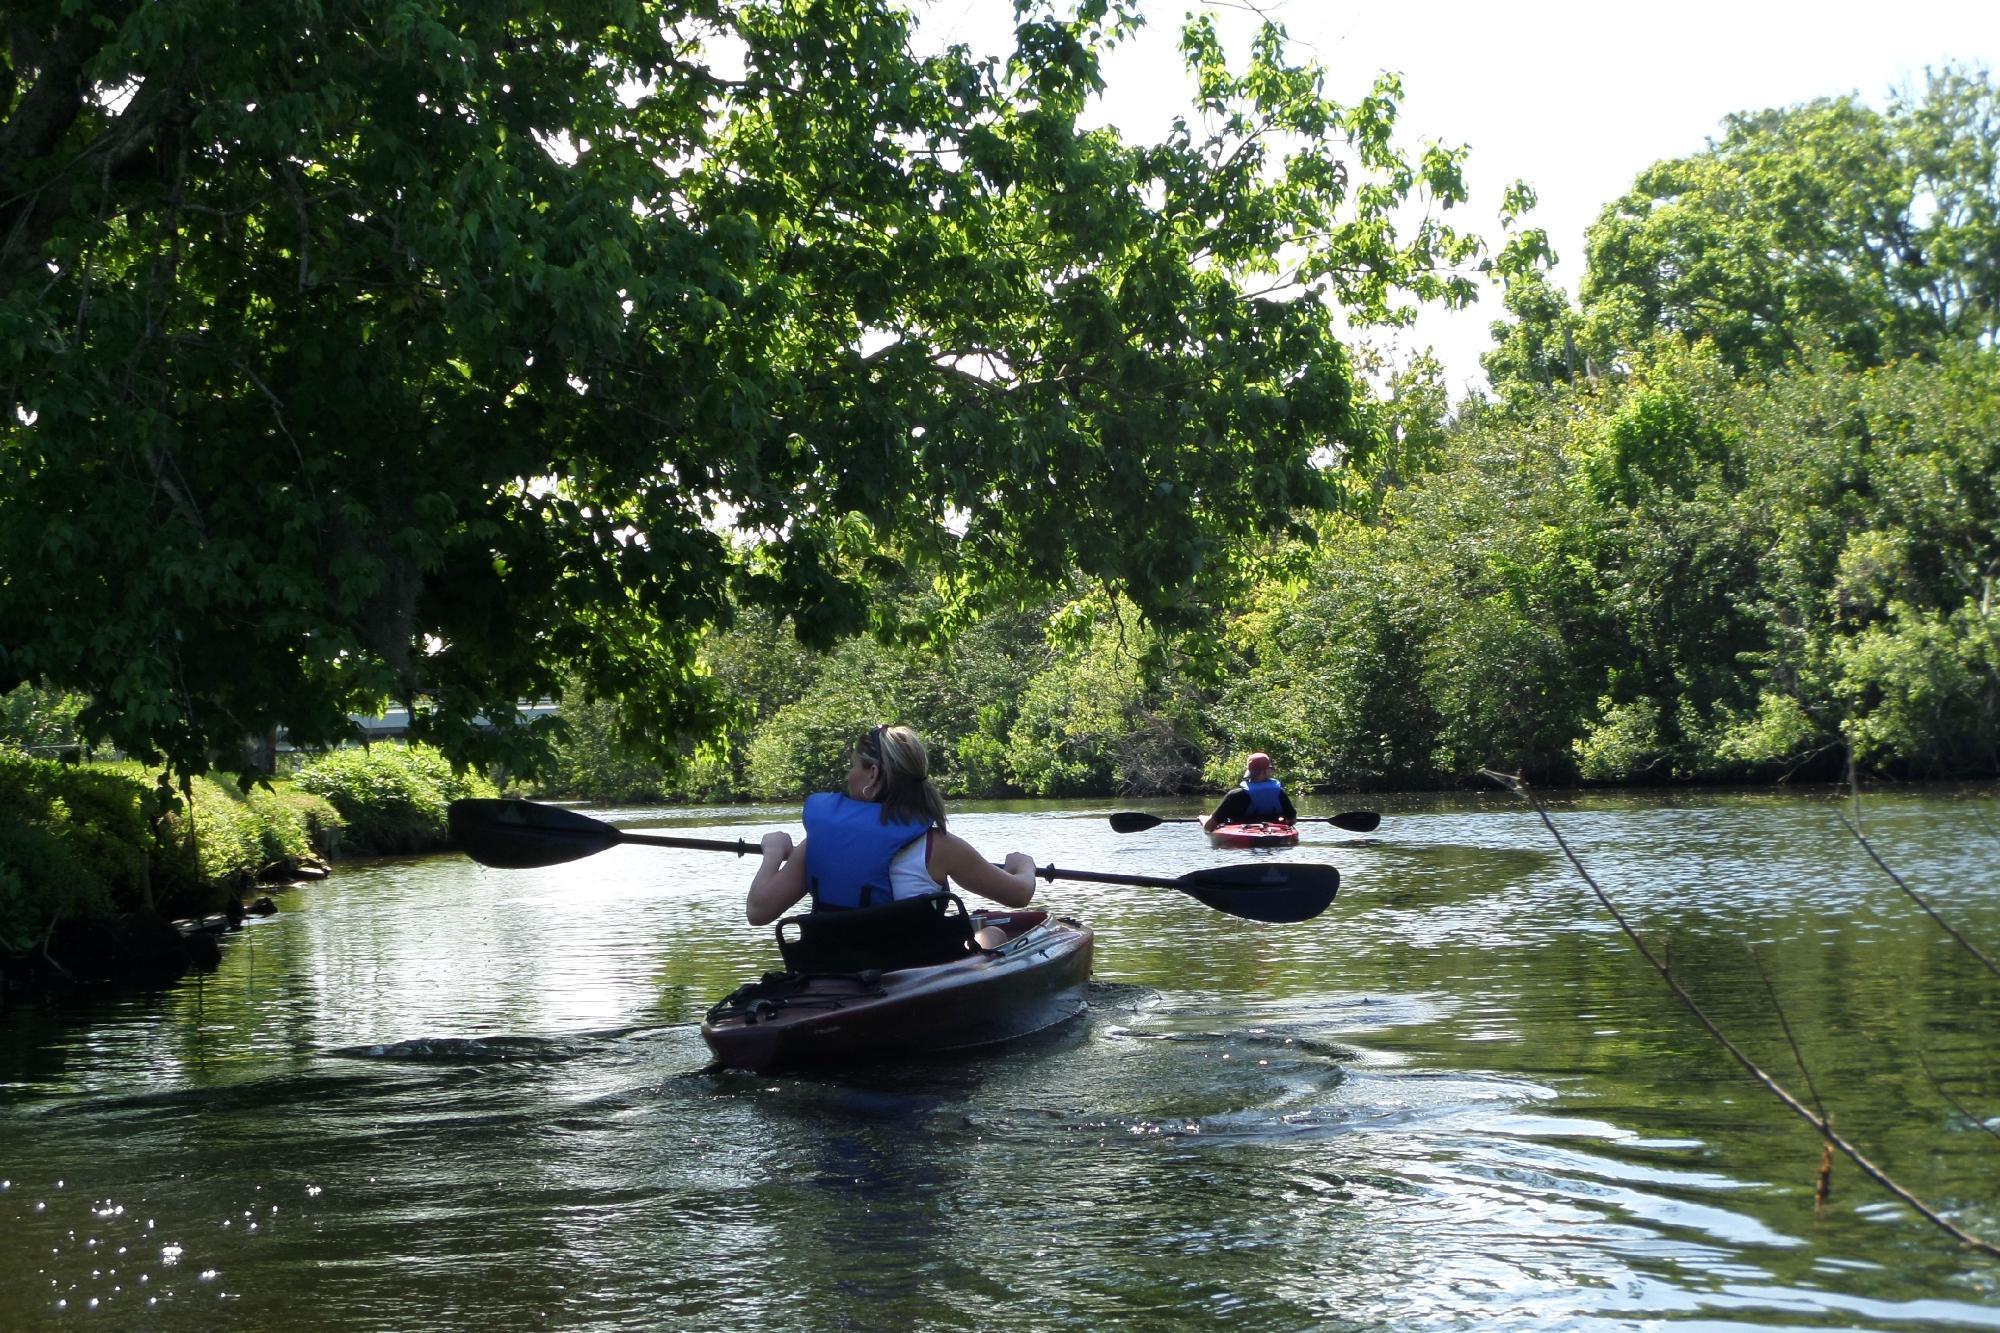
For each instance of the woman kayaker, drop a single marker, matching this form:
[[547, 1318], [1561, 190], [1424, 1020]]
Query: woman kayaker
[[1260, 799], [882, 839]]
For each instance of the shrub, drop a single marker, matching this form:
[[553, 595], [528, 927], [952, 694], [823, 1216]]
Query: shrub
[[239, 835], [73, 842], [1623, 744], [391, 797], [589, 760], [78, 843]]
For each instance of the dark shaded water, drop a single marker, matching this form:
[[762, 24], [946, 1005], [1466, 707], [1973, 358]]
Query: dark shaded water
[[428, 1095]]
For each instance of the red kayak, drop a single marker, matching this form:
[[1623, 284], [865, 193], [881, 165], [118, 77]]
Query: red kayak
[[1254, 835], [1033, 979]]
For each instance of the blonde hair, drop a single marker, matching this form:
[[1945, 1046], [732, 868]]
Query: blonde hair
[[907, 791]]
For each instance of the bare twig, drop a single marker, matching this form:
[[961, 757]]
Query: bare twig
[[48, 938], [278, 416], [1785, 1024], [1978, 1122], [1823, 1178], [1917, 898], [1853, 786], [1820, 1123]]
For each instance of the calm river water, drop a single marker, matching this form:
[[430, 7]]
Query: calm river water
[[428, 1095]]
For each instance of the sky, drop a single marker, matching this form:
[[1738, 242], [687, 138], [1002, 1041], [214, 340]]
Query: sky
[[1574, 98]]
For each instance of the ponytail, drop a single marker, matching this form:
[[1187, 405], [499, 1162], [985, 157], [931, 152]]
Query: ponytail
[[907, 793]]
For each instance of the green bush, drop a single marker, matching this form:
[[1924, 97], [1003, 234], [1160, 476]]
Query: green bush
[[42, 877], [1919, 687], [1623, 744], [1074, 716], [391, 797], [73, 842], [1779, 735], [239, 835], [32, 716]]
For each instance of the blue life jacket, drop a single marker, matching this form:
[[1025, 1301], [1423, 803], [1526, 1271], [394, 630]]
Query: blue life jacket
[[1264, 803], [848, 850]]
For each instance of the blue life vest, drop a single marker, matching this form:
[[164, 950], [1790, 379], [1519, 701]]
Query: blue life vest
[[848, 850], [1264, 803]]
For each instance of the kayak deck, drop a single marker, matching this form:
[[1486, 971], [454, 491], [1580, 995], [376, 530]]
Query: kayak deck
[[1254, 835], [1031, 980]]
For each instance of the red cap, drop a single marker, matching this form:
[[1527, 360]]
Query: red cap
[[1257, 761]]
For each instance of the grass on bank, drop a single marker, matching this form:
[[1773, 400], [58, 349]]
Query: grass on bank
[[100, 840]]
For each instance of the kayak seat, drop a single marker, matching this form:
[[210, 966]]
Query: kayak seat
[[912, 932]]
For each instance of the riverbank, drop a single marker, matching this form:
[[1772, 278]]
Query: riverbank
[[109, 877]]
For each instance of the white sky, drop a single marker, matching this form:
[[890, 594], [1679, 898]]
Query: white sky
[[1575, 98]]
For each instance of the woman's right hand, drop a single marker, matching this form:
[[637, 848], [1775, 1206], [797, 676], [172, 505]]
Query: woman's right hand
[[780, 879]]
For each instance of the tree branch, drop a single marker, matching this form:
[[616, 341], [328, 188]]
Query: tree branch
[[1519, 787], [1918, 898]]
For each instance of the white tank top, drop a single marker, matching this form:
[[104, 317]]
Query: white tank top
[[909, 873]]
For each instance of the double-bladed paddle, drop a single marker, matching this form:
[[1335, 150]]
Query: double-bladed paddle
[[519, 835], [1354, 821]]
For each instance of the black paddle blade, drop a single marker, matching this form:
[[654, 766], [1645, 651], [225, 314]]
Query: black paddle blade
[[1356, 821], [1279, 891], [520, 835], [1131, 821]]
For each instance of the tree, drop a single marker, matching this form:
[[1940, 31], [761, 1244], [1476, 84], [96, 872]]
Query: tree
[[1111, 710], [35, 719], [1873, 496], [804, 742], [1875, 234], [1536, 348], [397, 349], [1872, 231]]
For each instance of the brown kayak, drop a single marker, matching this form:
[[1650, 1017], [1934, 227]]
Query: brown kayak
[[1033, 979]]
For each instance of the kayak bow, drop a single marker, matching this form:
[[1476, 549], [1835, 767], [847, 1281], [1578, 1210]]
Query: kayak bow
[[1254, 835]]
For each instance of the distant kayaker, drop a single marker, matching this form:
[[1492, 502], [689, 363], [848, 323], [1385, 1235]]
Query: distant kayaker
[[880, 840], [1260, 800]]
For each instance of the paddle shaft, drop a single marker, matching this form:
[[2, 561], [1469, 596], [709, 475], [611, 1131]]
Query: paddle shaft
[[1052, 873], [1043, 871], [519, 835], [1049, 872], [1354, 821], [740, 847]]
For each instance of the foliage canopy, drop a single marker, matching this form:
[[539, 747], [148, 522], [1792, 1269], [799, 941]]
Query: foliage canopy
[[1875, 233], [400, 349]]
